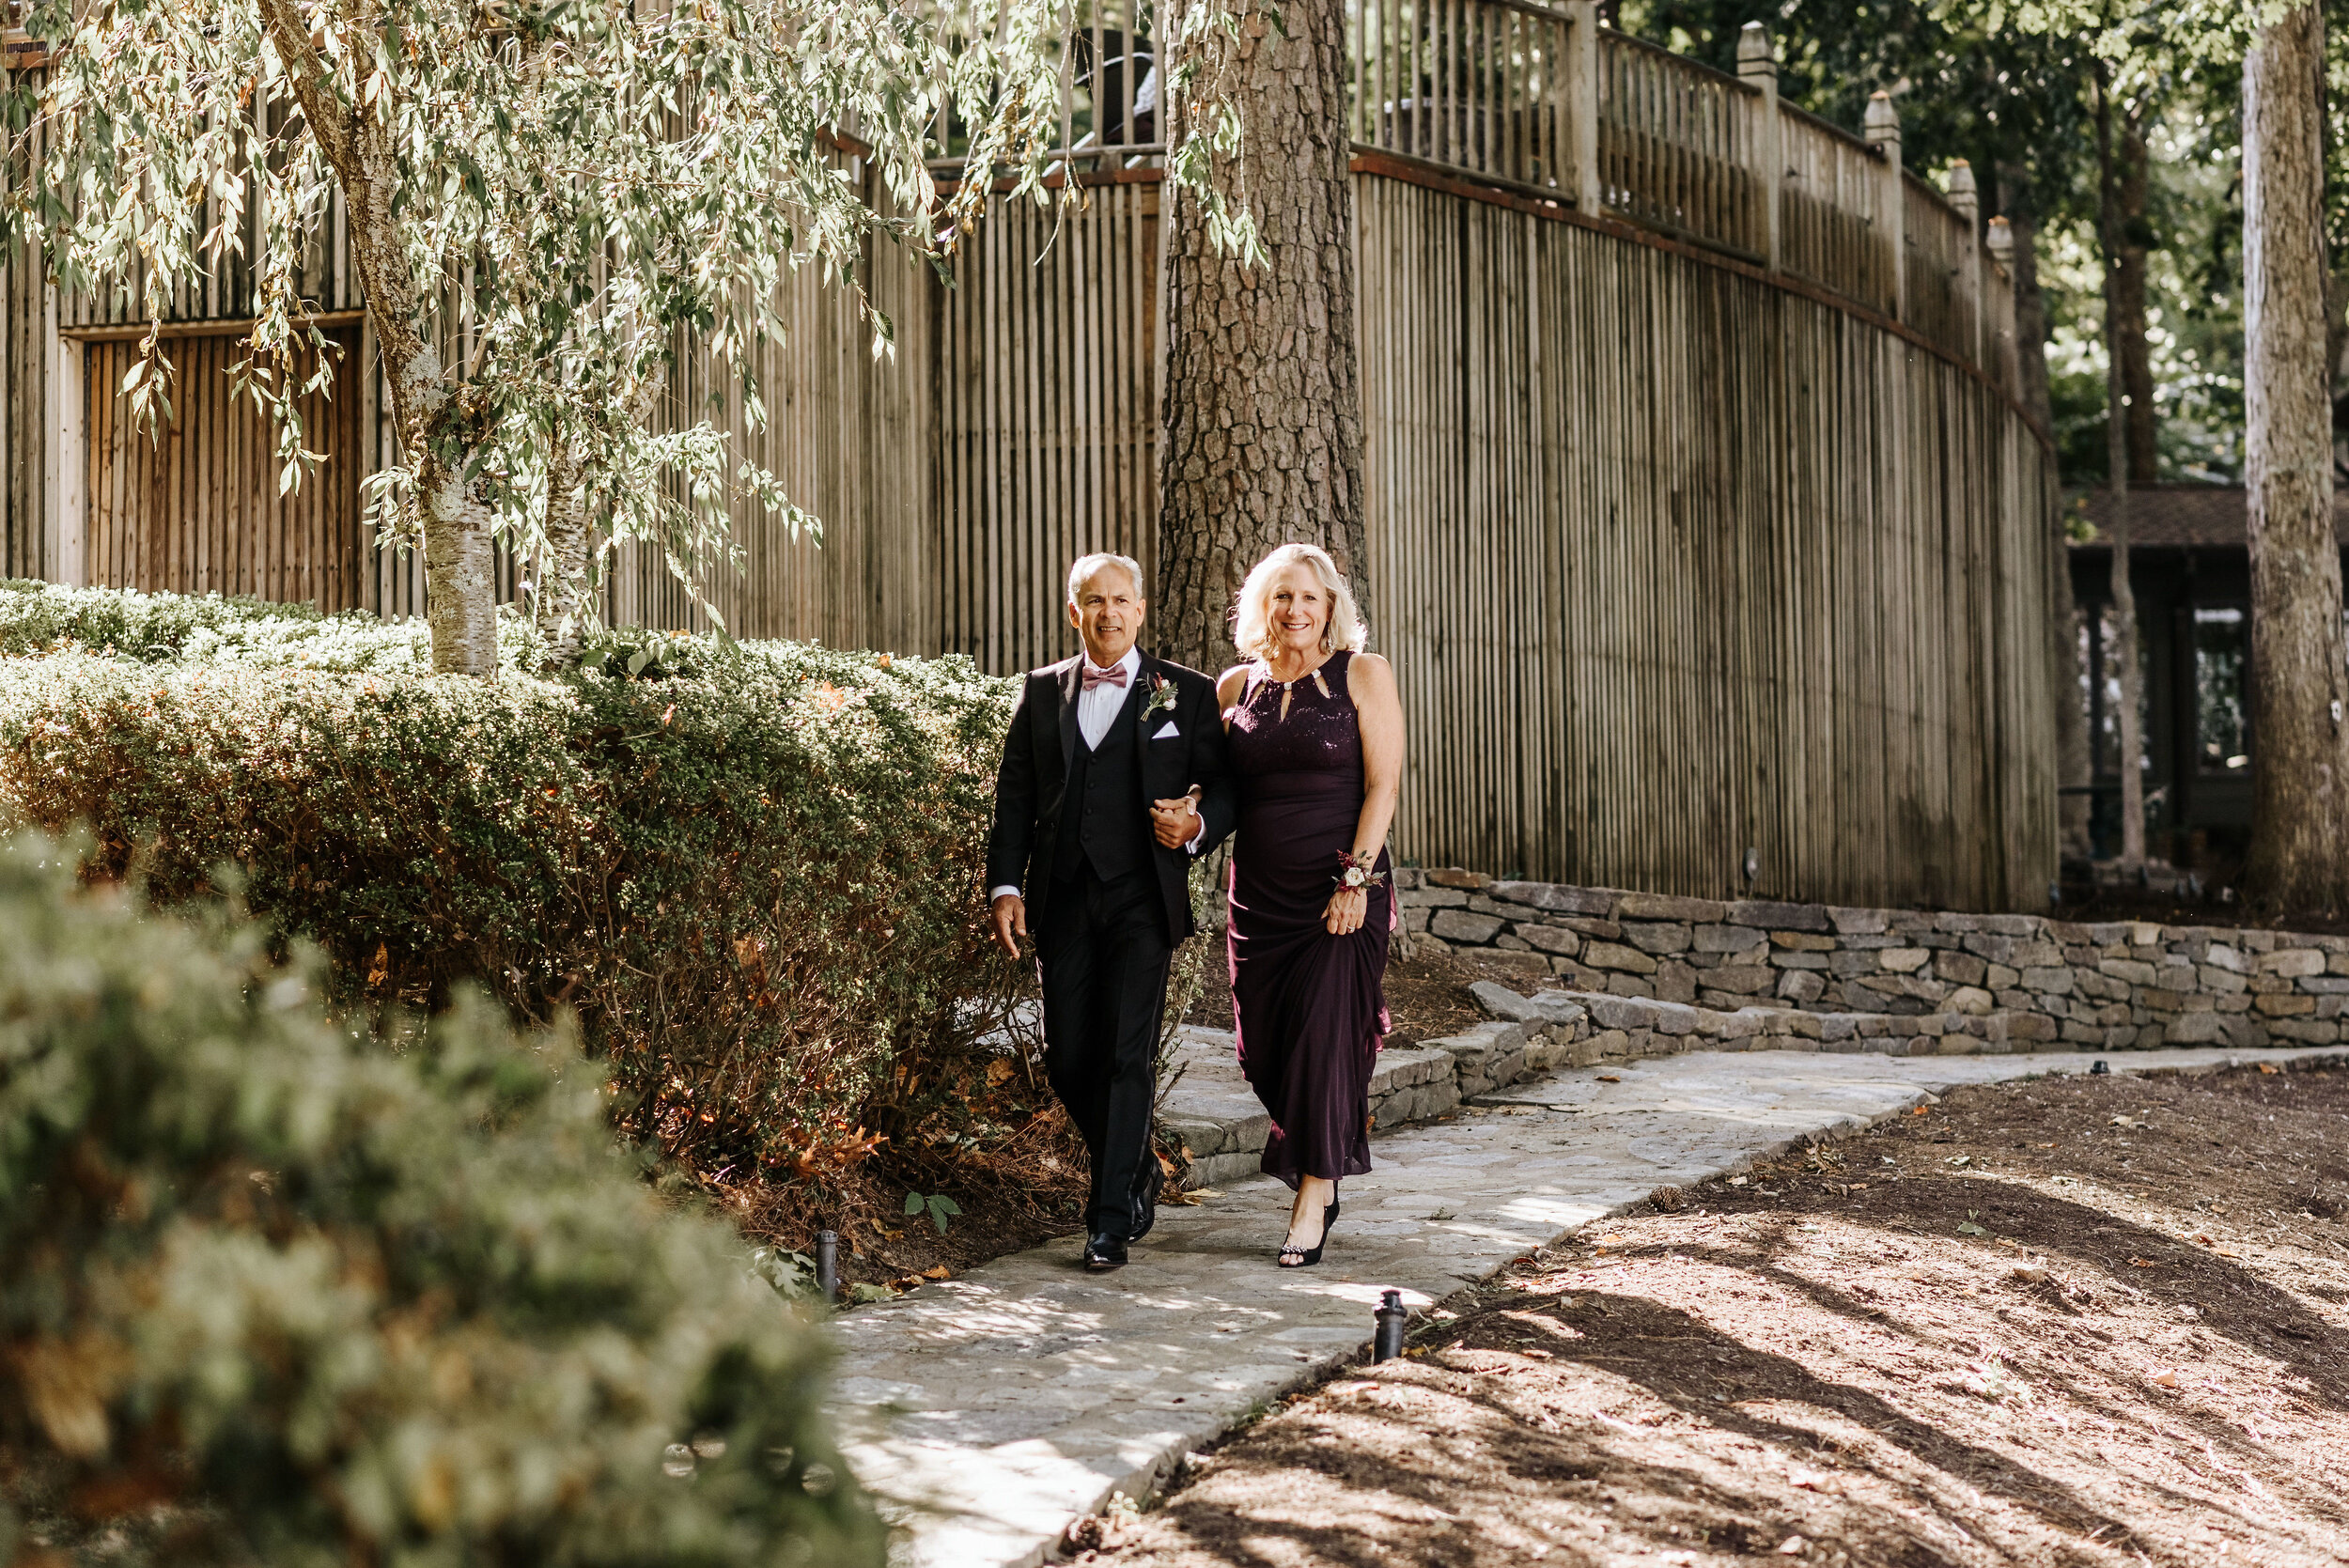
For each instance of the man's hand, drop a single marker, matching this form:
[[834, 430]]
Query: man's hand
[[1010, 916], [1175, 821]]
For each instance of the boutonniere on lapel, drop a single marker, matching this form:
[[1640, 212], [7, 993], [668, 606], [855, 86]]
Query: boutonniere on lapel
[[1162, 695]]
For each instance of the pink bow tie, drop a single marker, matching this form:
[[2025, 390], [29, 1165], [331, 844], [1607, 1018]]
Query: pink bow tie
[[1113, 676]]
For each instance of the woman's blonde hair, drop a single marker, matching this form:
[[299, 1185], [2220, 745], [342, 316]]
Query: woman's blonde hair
[[1251, 616]]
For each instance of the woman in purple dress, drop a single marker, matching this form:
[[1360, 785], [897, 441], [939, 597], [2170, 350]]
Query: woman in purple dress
[[1315, 734]]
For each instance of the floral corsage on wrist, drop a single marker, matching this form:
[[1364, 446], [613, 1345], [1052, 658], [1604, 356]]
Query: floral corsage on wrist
[[1162, 695], [1355, 874]]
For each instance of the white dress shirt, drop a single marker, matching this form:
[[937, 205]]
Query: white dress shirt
[[1099, 708], [1096, 710]]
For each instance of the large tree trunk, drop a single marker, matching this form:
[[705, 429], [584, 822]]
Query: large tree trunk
[[460, 586], [2122, 274], [2126, 284], [2073, 765], [1262, 441], [2299, 858]]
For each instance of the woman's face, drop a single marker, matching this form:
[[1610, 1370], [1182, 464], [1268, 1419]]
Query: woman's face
[[1300, 609]]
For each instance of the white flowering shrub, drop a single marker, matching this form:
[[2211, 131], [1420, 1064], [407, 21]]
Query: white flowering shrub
[[753, 878], [273, 1294]]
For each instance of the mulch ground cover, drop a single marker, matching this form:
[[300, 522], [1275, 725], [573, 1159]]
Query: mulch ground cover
[[2067, 1321]]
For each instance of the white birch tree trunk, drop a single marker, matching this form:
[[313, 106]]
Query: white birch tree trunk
[[460, 582]]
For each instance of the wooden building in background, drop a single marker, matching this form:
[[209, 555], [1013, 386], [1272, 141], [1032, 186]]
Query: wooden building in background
[[2189, 564], [1706, 531]]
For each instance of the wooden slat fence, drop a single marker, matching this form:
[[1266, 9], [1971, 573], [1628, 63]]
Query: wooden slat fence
[[1941, 247], [1830, 208], [1676, 145], [1479, 86], [1637, 640], [1046, 439], [1703, 517], [195, 505]]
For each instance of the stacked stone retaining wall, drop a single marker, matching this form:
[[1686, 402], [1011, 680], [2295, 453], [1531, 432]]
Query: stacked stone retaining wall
[[2015, 982]]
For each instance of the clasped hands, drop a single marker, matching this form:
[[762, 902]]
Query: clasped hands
[[1176, 821]]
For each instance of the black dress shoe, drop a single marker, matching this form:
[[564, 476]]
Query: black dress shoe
[[1105, 1251], [1145, 1205]]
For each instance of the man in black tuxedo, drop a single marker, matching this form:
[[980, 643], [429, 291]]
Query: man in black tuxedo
[[1113, 779]]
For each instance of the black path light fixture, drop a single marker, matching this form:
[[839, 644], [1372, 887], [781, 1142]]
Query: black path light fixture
[[828, 1265], [1392, 1317]]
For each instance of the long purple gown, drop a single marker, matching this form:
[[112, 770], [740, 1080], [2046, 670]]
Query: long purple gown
[[1310, 1008]]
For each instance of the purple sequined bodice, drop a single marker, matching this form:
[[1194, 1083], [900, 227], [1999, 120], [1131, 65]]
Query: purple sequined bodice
[[1315, 751]]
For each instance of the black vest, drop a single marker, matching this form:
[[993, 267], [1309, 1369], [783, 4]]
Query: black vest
[[1101, 818]]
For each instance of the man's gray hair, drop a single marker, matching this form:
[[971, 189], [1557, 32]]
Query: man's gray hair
[[1086, 566]]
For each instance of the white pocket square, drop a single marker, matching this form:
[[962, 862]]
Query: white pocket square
[[1167, 731]]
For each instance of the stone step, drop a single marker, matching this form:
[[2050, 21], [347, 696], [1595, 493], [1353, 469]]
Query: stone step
[[1210, 1110], [1612, 1025], [1222, 1128]]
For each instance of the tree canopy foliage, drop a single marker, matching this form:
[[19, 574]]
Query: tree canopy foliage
[[547, 202]]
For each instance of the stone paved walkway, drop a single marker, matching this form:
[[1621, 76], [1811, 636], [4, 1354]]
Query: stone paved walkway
[[985, 1412]]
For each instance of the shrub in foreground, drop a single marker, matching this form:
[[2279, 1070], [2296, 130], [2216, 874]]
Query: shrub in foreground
[[753, 879], [273, 1294]]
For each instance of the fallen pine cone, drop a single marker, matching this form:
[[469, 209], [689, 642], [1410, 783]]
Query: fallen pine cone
[[1105, 1531], [1668, 1200]]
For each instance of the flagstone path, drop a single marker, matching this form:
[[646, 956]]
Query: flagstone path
[[987, 1412]]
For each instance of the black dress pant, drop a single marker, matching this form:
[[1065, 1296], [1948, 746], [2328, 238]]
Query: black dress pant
[[1103, 949]]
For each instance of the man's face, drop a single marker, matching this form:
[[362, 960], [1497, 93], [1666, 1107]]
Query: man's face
[[1107, 615]]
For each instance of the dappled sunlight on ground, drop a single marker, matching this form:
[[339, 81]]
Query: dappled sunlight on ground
[[2083, 1321]]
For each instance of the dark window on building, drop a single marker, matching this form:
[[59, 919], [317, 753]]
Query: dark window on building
[[2222, 725]]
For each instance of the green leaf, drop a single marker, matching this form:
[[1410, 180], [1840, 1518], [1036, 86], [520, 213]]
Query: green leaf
[[913, 1203], [1967, 1227]]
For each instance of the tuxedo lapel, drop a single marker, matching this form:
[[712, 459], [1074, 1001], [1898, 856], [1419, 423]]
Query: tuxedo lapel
[[1071, 685], [1144, 674]]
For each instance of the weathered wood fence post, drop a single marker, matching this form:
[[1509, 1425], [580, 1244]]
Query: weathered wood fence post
[[1967, 201], [2001, 240], [1882, 128], [1757, 67], [1582, 103]]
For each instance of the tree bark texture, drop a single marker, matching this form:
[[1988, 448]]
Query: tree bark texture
[[2131, 675], [2120, 276], [2132, 232], [2018, 206], [563, 573], [2073, 765], [1263, 442], [2299, 858], [461, 583]]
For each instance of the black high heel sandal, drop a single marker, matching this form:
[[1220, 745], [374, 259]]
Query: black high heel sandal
[[1311, 1255]]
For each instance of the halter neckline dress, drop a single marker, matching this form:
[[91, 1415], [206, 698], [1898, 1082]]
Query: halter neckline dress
[[1310, 1008]]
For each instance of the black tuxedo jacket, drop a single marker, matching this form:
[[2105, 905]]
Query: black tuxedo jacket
[[1033, 781]]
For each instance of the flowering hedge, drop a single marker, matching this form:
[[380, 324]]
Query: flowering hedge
[[274, 1295], [753, 880]]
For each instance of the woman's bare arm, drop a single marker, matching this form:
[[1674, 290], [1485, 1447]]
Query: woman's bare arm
[[1380, 707]]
